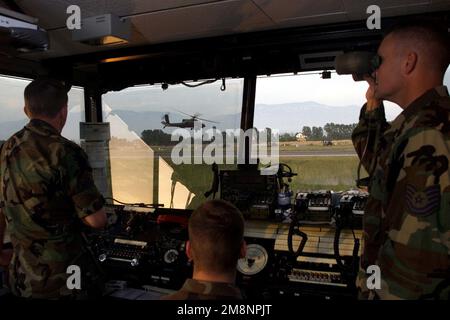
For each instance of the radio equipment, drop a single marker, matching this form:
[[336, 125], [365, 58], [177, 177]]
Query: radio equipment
[[254, 194], [310, 257], [308, 265], [283, 263], [314, 206], [350, 210], [143, 246]]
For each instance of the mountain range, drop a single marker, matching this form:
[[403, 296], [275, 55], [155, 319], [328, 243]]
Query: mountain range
[[288, 117]]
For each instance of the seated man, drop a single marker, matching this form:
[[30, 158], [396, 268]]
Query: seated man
[[216, 242]]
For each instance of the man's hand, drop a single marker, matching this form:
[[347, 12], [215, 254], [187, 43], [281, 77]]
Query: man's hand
[[372, 102], [96, 220]]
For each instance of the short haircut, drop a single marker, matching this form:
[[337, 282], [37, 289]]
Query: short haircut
[[431, 36], [216, 233], [45, 97]]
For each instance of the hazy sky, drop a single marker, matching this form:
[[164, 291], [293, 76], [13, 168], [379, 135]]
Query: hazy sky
[[12, 102], [337, 91], [207, 100], [340, 90]]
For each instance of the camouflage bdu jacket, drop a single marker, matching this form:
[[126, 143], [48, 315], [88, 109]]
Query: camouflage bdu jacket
[[46, 187], [203, 290], [407, 216]]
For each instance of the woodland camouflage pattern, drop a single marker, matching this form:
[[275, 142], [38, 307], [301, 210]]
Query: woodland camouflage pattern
[[203, 290], [46, 187], [407, 217]]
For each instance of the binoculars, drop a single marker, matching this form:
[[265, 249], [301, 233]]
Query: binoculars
[[357, 63]]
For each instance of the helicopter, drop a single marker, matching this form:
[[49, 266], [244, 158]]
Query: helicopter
[[185, 123]]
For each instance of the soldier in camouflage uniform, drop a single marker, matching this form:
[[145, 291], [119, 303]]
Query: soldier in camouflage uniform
[[216, 242], [407, 217], [206, 290], [46, 190]]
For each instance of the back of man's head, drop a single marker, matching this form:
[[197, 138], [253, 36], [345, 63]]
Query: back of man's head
[[45, 97], [430, 39], [216, 231]]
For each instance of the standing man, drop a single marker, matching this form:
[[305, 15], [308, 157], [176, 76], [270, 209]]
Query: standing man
[[407, 217], [216, 242], [46, 189]]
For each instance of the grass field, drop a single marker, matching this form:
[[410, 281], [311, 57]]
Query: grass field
[[338, 146], [131, 177], [331, 173], [314, 173]]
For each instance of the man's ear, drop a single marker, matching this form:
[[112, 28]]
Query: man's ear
[[410, 63], [25, 110], [64, 112], [243, 252], [188, 250], [62, 115]]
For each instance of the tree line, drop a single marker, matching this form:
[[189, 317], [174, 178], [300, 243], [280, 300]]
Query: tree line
[[158, 137], [331, 131]]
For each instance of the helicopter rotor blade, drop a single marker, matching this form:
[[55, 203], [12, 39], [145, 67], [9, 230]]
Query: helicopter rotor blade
[[195, 116], [207, 120], [187, 114]]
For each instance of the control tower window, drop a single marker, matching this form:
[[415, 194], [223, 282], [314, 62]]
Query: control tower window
[[447, 77], [14, 119], [315, 118], [144, 119]]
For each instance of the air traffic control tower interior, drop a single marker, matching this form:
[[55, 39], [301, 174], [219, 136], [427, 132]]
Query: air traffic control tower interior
[[139, 72]]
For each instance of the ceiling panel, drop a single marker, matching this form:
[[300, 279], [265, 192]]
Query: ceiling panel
[[288, 10], [52, 13], [357, 9], [202, 21], [440, 4], [126, 8], [313, 20]]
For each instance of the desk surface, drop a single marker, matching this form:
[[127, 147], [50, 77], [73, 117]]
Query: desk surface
[[147, 293]]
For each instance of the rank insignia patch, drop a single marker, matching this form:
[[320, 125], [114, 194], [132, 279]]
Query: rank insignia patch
[[422, 202]]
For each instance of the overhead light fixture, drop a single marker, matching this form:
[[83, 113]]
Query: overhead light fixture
[[126, 58], [21, 33], [106, 29]]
